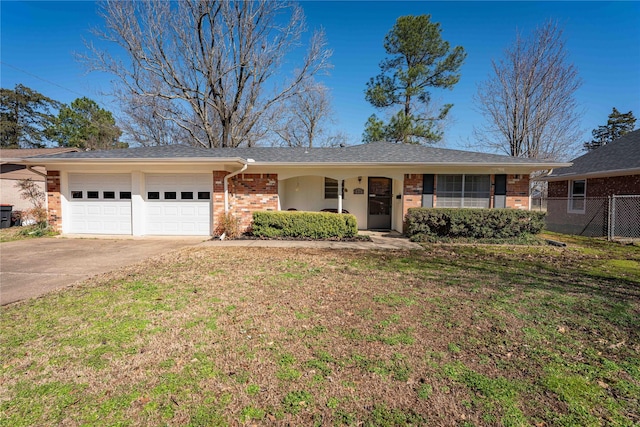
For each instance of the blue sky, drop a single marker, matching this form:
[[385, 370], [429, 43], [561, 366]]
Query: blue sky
[[603, 40]]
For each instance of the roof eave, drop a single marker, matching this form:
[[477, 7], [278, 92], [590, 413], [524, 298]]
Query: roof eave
[[597, 174], [206, 160], [155, 160], [534, 166]]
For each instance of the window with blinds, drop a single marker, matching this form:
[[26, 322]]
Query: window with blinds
[[463, 191]]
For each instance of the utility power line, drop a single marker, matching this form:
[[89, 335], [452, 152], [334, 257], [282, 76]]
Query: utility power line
[[50, 82]]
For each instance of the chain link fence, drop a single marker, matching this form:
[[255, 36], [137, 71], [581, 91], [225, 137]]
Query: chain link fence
[[624, 219], [615, 217]]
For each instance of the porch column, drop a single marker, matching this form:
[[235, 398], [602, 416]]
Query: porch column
[[339, 196]]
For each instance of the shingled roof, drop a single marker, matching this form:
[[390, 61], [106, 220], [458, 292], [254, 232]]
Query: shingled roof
[[8, 154], [620, 157], [374, 153]]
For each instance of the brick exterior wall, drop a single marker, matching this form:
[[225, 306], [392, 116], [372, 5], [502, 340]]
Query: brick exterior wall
[[600, 187], [217, 198], [594, 220], [558, 189], [518, 192], [618, 185], [54, 206], [247, 193], [411, 192]]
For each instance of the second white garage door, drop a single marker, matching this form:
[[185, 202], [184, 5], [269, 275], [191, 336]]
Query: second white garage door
[[178, 204]]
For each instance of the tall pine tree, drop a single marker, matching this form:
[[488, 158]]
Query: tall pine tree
[[617, 125], [418, 60], [84, 124], [24, 116]]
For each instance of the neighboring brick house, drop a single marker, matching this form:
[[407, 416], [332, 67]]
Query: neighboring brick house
[[181, 190], [11, 173], [578, 194]]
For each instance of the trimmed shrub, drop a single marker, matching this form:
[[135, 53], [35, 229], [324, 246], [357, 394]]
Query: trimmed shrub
[[310, 225], [424, 224]]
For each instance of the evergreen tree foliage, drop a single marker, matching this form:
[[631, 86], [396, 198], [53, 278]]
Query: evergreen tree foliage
[[24, 116], [84, 124], [618, 124], [374, 130], [418, 59]]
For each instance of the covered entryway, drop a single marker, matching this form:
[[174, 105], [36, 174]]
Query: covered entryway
[[178, 204], [99, 204], [380, 196]]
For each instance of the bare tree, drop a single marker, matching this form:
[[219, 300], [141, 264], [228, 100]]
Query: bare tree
[[219, 63], [304, 117], [339, 139], [142, 120], [528, 101]]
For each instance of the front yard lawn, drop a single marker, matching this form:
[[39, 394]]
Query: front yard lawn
[[457, 335]]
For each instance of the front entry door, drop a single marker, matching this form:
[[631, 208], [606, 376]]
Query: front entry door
[[380, 196]]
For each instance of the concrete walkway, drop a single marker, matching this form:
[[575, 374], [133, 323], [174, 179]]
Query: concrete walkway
[[379, 240]]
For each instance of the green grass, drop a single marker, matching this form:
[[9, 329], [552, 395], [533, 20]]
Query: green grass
[[453, 335], [12, 234]]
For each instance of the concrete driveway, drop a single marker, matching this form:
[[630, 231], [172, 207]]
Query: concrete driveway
[[33, 267]]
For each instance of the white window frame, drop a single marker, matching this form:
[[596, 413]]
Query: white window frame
[[573, 197], [332, 185]]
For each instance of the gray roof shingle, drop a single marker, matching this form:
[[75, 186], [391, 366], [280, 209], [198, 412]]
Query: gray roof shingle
[[377, 152], [623, 154]]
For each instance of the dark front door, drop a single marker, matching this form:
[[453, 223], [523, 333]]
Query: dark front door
[[380, 196]]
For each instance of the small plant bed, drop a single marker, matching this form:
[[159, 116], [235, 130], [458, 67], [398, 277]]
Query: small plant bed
[[357, 238]]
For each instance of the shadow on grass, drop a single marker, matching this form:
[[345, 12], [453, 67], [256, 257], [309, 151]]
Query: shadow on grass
[[556, 275]]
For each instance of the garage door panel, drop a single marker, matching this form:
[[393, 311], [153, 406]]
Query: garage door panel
[[188, 211], [101, 215], [171, 211], [188, 216], [162, 217]]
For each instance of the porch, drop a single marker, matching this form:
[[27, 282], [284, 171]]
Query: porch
[[375, 201]]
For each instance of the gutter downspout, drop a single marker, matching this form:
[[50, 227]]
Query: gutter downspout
[[226, 183]]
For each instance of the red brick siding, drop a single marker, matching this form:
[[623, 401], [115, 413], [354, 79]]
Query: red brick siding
[[620, 185], [517, 191], [54, 206], [247, 193], [435, 190], [600, 187], [412, 192], [217, 198], [558, 189], [253, 192]]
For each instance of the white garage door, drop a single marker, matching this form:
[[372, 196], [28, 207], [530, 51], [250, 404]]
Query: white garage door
[[99, 203], [178, 204]]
